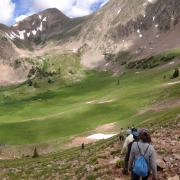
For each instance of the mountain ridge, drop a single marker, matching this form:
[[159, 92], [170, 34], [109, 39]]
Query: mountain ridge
[[141, 28]]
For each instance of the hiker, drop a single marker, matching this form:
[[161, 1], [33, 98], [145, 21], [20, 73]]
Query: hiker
[[128, 139], [121, 135], [126, 160], [142, 158], [82, 146], [128, 131]]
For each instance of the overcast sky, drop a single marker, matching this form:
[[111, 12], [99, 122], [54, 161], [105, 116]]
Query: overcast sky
[[12, 11]]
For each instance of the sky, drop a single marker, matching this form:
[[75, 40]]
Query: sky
[[12, 11]]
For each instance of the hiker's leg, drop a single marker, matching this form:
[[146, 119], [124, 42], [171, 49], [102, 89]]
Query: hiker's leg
[[145, 178], [125, 170], [134, 176]]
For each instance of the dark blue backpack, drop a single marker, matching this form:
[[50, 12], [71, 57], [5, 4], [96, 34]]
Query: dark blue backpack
[[140, 167]]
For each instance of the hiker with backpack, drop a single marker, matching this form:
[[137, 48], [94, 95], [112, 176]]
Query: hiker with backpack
[[142, 158], [135, 134], [121, 135], [128, 140]]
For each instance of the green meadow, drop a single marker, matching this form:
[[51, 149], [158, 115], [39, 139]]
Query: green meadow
[[56, 111]]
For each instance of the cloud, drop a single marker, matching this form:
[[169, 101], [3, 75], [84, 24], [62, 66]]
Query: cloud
[[7, 9], [23, 16], [72, 8], [24, 8]]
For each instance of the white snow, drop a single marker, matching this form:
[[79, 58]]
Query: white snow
[[138, 31], [172, 83], [74, 50], [145, 4], [33, 23], [107, 64], [119, 11], [21, 34], [12, 36], [15, 34], [40, 16], [140, 35], [103, 102], [101, 136], [15, 25], [154, 18], [90, 102], [28, 34], [172, 62], [156, 25], [44, 19], [40, 27], [34, 32], [8, 36], [157, 36]]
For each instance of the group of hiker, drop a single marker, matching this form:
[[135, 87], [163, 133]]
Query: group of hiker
[[140, 156]]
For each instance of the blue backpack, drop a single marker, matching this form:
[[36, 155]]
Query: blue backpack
[[140, 167]]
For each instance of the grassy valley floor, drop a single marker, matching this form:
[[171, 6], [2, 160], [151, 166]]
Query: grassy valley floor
[[53, 114]]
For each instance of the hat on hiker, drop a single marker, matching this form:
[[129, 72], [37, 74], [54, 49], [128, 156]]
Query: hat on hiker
[[135, 133], [144, 131]]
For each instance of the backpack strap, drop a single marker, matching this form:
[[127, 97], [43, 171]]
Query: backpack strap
[[141, 151], [146, 150]]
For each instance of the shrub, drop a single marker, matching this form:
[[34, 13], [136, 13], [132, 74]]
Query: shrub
[[175, 74], [119, 163], [36, 85], [29, 82], [35, 153]]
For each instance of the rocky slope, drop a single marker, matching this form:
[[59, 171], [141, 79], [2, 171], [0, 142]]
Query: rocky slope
[[98, 161]]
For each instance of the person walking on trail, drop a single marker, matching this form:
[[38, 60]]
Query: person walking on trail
[[121, 135], [126, 160], [128, 140], [142, 158]]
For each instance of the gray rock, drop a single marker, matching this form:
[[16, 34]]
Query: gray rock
[[174, 178]]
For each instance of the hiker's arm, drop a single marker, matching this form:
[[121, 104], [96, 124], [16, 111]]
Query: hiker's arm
[[131, 157], [153, 164]]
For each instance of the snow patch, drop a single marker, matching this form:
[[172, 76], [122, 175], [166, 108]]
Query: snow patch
[[21, 34], [101, 136], [40, 16], [15, 25], [44, 19], [172, 62], [74, 50], [119, 11], [157, 36], [8, 36], [15, 34], [34, 32], [138, 31], [40, 27], [156, 25], [154, 18], [140, 35], [107, 64], [28, 34], [172, 83]]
